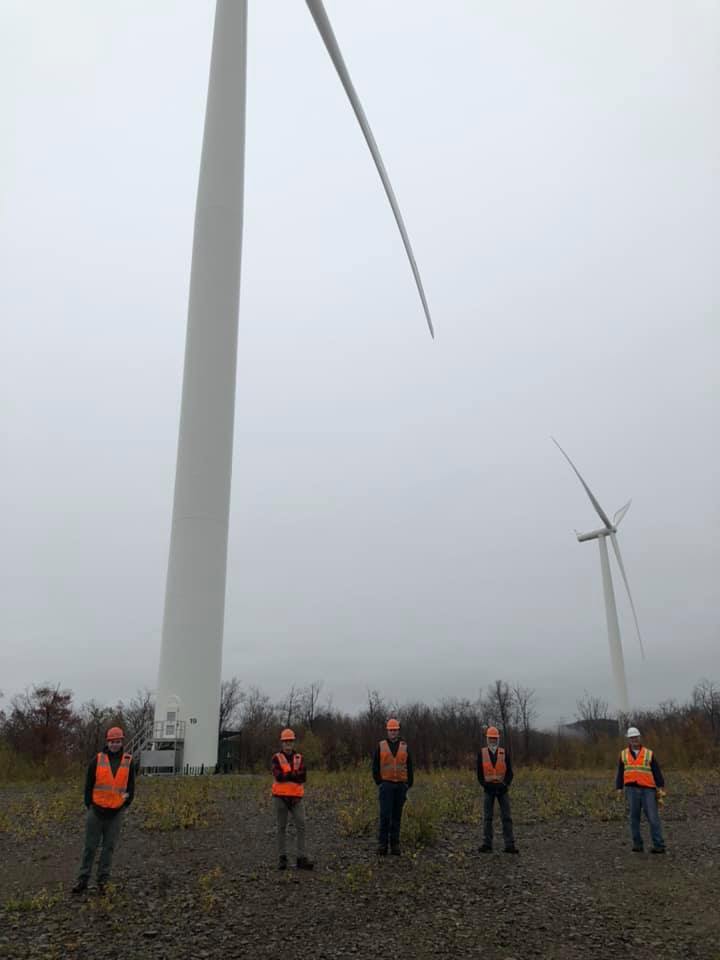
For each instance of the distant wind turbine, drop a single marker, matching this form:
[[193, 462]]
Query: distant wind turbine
[[188, 693], [609, 529]]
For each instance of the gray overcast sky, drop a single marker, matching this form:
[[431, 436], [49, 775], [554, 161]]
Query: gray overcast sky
[[400, 518]]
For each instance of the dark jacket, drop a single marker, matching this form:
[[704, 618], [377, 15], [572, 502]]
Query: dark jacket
[[299, 776], [393, 744], [654, 766], [115, 759], [495, 787]]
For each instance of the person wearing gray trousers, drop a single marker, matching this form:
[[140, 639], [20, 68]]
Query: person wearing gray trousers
[[495, 774], [103, 830], [289, 775], [103, 822], [291, 807]]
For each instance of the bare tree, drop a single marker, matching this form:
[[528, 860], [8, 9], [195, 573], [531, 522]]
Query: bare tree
[[377, 709], [94, 720], [706, 699], [498, 707], [592, 712], [259, 728], [524, 712], [231, 697], [257, 711], [289, 705], [308, 706], [137, 713]]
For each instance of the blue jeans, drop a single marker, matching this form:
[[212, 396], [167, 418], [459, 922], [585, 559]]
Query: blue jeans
[[644, 799], [503, 801], [392, 800]]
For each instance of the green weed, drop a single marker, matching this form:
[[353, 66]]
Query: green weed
[[39, 902]]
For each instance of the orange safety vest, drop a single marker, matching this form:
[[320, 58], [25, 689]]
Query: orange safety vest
[[638, 770], [393, 768], [494, 772], [288, 789], [108, 790]]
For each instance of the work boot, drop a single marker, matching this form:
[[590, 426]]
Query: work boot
[[304, 864], [658, 850], [381, 851], [485, 848], [282, 863], [637, 850], [512, 849], [395, 851], [80, 886]]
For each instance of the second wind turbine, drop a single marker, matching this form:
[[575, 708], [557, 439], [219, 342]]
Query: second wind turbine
[[609, 529]]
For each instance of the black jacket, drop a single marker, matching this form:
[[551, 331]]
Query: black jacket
[[654, 766], [393, 744], [115, 759], [295, 776], [495, 787]]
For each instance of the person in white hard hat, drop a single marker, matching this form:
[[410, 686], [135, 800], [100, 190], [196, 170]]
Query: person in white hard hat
[[639, 775]]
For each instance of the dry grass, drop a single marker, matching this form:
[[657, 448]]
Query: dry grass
[[450, 796]]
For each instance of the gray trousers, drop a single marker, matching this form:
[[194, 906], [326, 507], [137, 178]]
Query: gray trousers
[[100, 829], [507, 825], [296, 812]]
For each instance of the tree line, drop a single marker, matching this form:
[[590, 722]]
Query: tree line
[[44, 733]]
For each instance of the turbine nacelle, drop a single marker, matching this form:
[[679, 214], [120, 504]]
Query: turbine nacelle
[[594, 534]]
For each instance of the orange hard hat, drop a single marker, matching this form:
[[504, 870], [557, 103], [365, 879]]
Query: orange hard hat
[[287, 734], [392, 724], [115, 733], [493, 732]]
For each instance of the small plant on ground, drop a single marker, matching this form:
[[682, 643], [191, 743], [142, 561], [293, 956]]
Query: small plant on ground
[[39, 902], [208, 883]]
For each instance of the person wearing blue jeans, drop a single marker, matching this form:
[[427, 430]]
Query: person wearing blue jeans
[[495, 774], [392, 770], [639, 775]]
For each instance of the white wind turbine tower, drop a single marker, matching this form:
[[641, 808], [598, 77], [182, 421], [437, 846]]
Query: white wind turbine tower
[[609, 529], [188, 694]]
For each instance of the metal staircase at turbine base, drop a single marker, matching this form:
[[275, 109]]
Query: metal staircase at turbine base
[[161, 753]]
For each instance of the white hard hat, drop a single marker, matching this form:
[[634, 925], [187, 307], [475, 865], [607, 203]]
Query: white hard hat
[[633, 732]]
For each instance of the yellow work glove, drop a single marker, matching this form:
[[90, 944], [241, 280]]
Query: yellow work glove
[[660, 797]]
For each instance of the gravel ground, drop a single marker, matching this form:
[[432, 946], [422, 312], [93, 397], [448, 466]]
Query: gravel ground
[[575, 891]]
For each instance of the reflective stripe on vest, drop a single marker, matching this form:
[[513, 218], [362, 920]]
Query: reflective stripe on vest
[[288, 789], [494, 772], [108, 790], [393, 768], [638, 770]]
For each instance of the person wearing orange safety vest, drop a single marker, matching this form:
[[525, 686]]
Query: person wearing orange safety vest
[[109, 791], [392, 770], [639, 775], [495, 774], [288, 790]]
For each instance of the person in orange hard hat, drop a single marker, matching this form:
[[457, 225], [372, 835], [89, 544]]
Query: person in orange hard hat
[[109, 791], [495, 774], [392, 770], [288, 790]]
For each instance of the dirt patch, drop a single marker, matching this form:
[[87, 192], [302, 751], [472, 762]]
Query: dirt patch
[[210, 888]]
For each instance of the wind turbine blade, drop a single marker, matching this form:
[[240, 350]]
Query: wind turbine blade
[[621, 513], [598, 509], [616, 548], [324, 26]]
